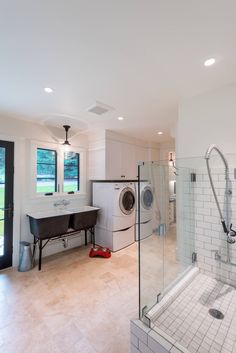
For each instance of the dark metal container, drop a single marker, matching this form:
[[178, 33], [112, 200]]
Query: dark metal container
[[44, 228], [83, 220]]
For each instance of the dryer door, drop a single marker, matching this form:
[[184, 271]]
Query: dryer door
[[147, 198], [127, 201]]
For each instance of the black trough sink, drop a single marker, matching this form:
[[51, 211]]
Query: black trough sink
[[86, 218], [49, 227]]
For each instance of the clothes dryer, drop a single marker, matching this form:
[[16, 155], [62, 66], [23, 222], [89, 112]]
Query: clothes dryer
[[146, 210]]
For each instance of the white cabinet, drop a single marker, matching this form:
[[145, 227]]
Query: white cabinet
[[128, 163], [141, 154], [114, 156], [122, 160], [113, 159], [96, 164]]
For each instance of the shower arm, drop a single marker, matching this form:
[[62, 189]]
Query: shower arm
[[208, 154]]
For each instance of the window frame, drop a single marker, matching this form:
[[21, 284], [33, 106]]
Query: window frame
[[35, 145], [79, 173], [56, 169]]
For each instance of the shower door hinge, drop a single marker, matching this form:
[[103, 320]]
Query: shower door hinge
[[193, 177], [144, 318], [144, 310], [194, 257], [158, 297]]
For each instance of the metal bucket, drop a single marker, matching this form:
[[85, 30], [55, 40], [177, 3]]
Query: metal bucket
[[26, 259]]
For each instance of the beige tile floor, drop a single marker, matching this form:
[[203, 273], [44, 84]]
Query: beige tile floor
[[76, 304], [159, 265]]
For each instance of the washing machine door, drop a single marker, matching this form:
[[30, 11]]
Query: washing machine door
[[147, 198], [127, 201]]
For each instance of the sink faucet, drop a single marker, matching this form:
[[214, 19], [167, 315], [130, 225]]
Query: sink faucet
[[63, 202]]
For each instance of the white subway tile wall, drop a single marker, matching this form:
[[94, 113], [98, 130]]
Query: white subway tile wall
[[202, 224]]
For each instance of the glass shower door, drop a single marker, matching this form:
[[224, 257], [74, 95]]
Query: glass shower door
[[168, 252], [151, 245]]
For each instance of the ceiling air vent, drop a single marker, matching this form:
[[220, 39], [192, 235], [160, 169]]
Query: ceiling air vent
[[99, 108]]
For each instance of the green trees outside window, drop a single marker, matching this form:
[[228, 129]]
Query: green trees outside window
[[46, 170], [71, 172]]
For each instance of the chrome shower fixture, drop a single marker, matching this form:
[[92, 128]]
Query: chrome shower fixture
[[231, 233], [225, 223]]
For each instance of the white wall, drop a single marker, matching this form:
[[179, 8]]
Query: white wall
[[22, 133], [204, 120], [207, 119], [165, 149]]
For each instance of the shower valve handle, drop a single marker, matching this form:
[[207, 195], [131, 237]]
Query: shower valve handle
[[232, 232], [224, 227]]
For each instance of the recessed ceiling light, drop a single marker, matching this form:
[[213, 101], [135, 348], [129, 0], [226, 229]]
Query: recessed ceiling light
[[48, 90], [210, 62], [120, 118], [160, 133]]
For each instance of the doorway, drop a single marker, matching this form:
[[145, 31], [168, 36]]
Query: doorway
[[6, 203]]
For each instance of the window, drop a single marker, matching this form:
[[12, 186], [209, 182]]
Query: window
[[71, 172], [46, 170], [56, 171]]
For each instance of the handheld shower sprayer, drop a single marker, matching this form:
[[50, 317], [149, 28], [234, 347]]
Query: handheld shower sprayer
[[230, 233]]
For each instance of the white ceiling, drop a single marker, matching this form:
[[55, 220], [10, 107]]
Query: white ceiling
[[140, 57]]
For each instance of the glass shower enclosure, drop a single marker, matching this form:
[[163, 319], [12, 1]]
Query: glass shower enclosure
[[187, 266]]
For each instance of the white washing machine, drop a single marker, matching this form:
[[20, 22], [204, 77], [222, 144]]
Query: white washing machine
[[115, 226], [146, 210]]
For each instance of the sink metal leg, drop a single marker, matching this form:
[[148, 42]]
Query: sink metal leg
[[34, 249], [86, 238], [93, 236], [40, 254]]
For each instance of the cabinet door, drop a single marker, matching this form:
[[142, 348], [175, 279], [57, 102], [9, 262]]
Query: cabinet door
[[128, 165], [142, 156], [96, 164], [113, 159]]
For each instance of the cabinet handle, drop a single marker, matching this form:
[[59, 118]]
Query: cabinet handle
[[122, 176]]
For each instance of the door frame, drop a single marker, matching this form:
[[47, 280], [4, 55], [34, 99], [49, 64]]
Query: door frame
[[9, 195]]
